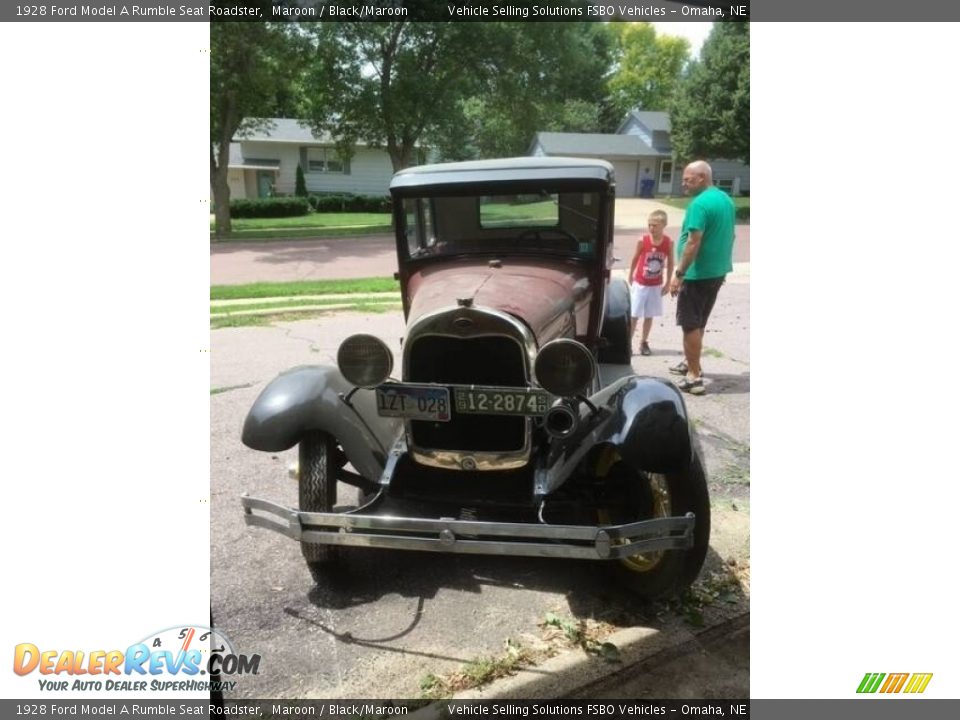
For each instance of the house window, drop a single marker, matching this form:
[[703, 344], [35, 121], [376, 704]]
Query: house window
[[323, 160], [666, 172]]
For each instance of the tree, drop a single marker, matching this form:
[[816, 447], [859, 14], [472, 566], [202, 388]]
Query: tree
[[710, 115], [250, 72], [469, 89], [389, 83], [549, 76], [648, 67]]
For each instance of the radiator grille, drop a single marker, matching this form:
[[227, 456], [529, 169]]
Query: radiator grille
[[496, 361]]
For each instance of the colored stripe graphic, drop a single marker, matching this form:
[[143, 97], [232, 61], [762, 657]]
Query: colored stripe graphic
[[870, 682], [894, 682], [915, 683], [918, 683], [187, 639]]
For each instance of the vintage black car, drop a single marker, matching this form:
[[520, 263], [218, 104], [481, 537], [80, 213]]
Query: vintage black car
[[499, 435]]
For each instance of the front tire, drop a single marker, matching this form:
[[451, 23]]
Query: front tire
[[663, 573], [318, 492]]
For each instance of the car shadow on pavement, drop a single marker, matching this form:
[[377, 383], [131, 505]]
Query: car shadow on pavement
[[727, 384], [590, 588], [716, 383], [365, 575]]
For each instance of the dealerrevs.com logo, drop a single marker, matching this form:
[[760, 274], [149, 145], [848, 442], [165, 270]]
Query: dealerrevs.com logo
[[894, 682], [180, 658]]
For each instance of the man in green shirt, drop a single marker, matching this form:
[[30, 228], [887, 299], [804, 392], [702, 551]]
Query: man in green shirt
[[705, 256]]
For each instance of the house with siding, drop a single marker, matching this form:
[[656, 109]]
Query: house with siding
[[640, 148], [265, 161]]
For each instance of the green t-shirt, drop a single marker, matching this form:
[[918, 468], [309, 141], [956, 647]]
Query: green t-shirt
[[711, 212]]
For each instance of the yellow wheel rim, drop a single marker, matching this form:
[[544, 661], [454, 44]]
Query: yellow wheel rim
[[641, 562]]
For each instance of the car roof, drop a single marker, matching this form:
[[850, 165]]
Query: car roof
[[520, 169]]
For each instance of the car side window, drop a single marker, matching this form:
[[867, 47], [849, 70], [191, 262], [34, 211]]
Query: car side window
[[419, 230]]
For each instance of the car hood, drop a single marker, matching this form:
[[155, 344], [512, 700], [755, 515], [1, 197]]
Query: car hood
[[551, 297]]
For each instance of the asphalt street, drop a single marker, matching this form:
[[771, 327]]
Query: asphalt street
[[390, 620]]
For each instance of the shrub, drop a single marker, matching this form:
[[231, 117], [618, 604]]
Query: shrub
[[301, 190], [743, 214], [269, 207], [346, 202]]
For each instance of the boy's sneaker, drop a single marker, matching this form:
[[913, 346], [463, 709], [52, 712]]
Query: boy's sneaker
[[694, 387], [679, 369], [645, 349]]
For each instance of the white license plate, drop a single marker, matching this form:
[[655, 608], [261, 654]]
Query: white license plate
[[415, 402], [501, 401]]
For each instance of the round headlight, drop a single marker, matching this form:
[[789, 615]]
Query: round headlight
[[364, 360], [564, 367]]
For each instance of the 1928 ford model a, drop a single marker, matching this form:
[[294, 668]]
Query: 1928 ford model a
[[499, 436]]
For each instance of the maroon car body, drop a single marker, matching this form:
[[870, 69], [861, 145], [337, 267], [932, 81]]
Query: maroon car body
[[500, 435], [553, 297]]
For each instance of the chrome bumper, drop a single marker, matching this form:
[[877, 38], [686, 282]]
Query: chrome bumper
[[606, 542]]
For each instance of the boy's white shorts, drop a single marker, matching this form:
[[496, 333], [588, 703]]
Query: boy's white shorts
[[645, 301]]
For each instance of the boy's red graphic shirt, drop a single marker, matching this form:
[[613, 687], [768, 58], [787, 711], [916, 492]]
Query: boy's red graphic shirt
[[653, 259]]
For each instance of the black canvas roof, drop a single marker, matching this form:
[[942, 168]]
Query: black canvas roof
[[519, 170]]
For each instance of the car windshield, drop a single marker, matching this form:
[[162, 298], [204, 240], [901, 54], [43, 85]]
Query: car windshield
[[564, 223]]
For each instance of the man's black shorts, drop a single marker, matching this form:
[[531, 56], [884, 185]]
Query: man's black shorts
[[695, 302]]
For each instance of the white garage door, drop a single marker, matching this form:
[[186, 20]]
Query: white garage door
[[626, 172]]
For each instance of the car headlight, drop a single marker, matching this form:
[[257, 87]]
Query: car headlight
[[564, 367], [365, 360]]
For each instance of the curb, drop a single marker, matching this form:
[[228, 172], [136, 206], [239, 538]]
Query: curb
[[280, 308], [385, 296]]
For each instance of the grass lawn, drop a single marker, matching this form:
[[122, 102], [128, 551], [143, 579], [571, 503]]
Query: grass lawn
[[291, 313], [297, 307], [506, 215], [313, 220], [255, 291], [313, 225]]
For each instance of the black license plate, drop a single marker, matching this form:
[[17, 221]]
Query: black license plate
[[415, 402], [501, 401]]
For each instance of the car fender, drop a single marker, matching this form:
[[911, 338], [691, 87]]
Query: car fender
[[644, 418], [615, 343], [314, 397]]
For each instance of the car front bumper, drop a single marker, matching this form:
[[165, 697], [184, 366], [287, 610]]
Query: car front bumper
[[606, 542]]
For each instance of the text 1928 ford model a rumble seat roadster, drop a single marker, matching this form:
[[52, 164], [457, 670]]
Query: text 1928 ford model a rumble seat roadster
[[499, 437]]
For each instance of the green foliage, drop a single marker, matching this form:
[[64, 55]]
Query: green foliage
[[388, 83], [468, 89], [301, 189], [551, 77], [269, 207], [250, 79], [648, 67], [348, 202], [710, 114]]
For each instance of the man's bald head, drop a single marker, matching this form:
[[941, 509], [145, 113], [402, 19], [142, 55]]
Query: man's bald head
[[697, 177]]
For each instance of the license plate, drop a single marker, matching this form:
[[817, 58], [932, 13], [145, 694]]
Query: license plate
[[501, 401], [416, 402]]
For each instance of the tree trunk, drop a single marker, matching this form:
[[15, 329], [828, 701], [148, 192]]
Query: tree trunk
[[401, 156], [221, 190]]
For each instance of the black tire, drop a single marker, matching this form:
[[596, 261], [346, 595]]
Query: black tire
[[318, 492], [666, 573]]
